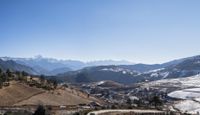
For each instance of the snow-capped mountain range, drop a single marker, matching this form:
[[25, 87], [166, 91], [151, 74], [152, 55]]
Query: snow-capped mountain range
[[118, 71], [128, 74], [51, 66]]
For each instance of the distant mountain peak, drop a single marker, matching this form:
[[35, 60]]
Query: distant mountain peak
[[38, 57], [45, 65]]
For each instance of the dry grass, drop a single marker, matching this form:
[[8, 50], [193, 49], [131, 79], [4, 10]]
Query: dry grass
[[59, 97], [16, 92], [56, 98]]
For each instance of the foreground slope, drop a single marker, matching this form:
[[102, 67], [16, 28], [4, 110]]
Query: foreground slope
[[18, 94], [57, 98]]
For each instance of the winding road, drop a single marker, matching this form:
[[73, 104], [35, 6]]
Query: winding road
[[124, 111]]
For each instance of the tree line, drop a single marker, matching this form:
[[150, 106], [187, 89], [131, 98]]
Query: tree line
[[38, 81]]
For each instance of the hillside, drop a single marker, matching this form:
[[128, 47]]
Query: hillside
[[175, 83], [125, 74], [56, 98], [129, 74], [18, 94], [19, 88], [142, 67], [185, 91], [188, 67], [13, 66], [51, 66], [100, 73]]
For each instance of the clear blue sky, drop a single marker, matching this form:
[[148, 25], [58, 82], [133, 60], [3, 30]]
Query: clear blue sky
[[148, 31]]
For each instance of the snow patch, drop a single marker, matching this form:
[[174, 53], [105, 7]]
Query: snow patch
[[155, 70], [188, 106], [154, 75], [186, 93], [100, 83]]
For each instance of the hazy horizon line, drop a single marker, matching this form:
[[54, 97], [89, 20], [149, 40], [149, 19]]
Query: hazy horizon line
[[89, 61]]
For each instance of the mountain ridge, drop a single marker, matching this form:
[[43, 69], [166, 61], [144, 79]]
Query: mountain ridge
[[50, 66], [140, 72], [13, 66], [130, 73]]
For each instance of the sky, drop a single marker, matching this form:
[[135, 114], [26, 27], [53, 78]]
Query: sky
[[140, 31]]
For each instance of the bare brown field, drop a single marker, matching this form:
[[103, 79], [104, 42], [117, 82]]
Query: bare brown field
[[55, 98], [16, 92]]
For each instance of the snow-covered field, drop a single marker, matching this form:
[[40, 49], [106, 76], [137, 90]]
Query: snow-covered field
[[188, 106], [191, 100], [193, 81], [186, 93], [186, 89]]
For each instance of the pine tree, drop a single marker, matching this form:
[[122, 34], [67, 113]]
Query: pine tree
[[40, 110], [8, 74], [156, 101], [1, 71]]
